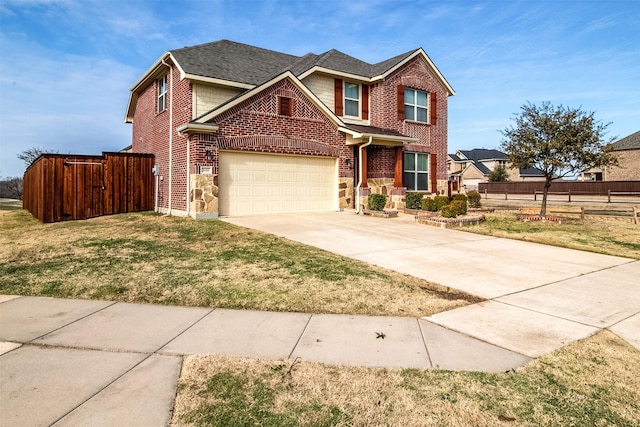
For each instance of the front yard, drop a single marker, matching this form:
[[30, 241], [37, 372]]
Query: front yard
[[167, 260], [148, 258]]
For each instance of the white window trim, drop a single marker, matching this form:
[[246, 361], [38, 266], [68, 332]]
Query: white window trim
[[416, 106], [416, 172], [345, 99], [162, 94]]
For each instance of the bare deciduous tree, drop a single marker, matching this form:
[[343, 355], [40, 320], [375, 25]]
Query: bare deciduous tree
[[558, 141]]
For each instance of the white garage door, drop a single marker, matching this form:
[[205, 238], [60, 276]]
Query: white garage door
[[251, 183]]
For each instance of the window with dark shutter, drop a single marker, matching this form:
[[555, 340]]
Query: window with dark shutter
[[285, 106], [432, 109], [338, 95], [400, 102], [365, 102], [434, 173]]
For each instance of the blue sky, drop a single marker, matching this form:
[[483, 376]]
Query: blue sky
[[66, 66]]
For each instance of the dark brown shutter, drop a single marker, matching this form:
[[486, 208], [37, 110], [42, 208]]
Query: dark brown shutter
[[433, 172], [338, 97], [365, 102], [433, 112], [285, 106], [400, 102]]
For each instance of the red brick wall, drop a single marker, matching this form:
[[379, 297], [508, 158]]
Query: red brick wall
[[384, 109], [151, 135], [380, 162], [255, 125]]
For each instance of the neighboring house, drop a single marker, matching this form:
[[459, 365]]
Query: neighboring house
[[627, 150], [238, 130], [468, 168]]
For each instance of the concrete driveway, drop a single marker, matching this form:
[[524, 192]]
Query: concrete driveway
[[539, 297]]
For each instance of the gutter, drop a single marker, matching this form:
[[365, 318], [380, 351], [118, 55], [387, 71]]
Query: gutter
[[360, 148]]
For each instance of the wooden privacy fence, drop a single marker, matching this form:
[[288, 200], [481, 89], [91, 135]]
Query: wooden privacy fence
[[586, 188], [60, 187]]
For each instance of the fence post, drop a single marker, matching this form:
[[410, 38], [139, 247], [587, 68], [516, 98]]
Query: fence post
[[535, 195], [569, 196], [609, 195], [485, 193], [635, 215], [582, 212], [505, 195]]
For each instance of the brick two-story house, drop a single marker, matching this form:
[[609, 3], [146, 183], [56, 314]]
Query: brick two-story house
[[238, 130], [468, 168]]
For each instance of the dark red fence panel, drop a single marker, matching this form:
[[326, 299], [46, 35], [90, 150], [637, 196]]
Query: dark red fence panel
[[590, 188], [59, 187]]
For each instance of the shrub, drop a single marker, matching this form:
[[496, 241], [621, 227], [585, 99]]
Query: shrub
[[453, 209], [428, 204], [440, 201], [460, 197], [474, 199], [377, 202], [414, 200], [460, 206], [448, 211]]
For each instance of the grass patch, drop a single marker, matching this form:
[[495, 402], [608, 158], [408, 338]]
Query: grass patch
[[148, 258], [610, 236], [10, 205], [591, 382]]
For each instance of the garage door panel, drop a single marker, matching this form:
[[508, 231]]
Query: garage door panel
[[251, 183]]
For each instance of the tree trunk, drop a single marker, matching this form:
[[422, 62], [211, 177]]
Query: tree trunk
[[543, 209]]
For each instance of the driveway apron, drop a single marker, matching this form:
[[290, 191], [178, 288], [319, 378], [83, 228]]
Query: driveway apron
[[540, 297]]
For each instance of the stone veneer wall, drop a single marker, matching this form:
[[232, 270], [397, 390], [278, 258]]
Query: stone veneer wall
[[395, 195], [204, 196], [345, 193]]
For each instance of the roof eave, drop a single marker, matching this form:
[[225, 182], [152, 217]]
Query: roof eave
[[190, 128], [323, 70], [213, 80], [381, 139], [143, 81], [418, 52]]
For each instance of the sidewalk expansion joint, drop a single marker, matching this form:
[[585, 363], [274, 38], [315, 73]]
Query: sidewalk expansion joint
[[185, 330], [300, 337], [424, 341], [631, 261], [101, 389], [76, 320]]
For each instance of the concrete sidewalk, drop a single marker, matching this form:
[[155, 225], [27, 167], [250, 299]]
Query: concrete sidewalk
[[105, 363]]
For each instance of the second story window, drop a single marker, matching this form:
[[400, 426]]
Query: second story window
[[415, 105], [162, 93], [351, 99]]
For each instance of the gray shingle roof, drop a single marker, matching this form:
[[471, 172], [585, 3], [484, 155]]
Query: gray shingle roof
[[631, 142], [228, 60], [483, 154], [374, 130], [478, 154]]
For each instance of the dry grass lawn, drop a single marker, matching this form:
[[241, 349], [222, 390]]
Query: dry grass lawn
[[594, 382], [605, 235], [149, 258]]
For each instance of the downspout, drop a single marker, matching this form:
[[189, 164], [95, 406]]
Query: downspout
[[188, 199], [360, 147], [170, 133]]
